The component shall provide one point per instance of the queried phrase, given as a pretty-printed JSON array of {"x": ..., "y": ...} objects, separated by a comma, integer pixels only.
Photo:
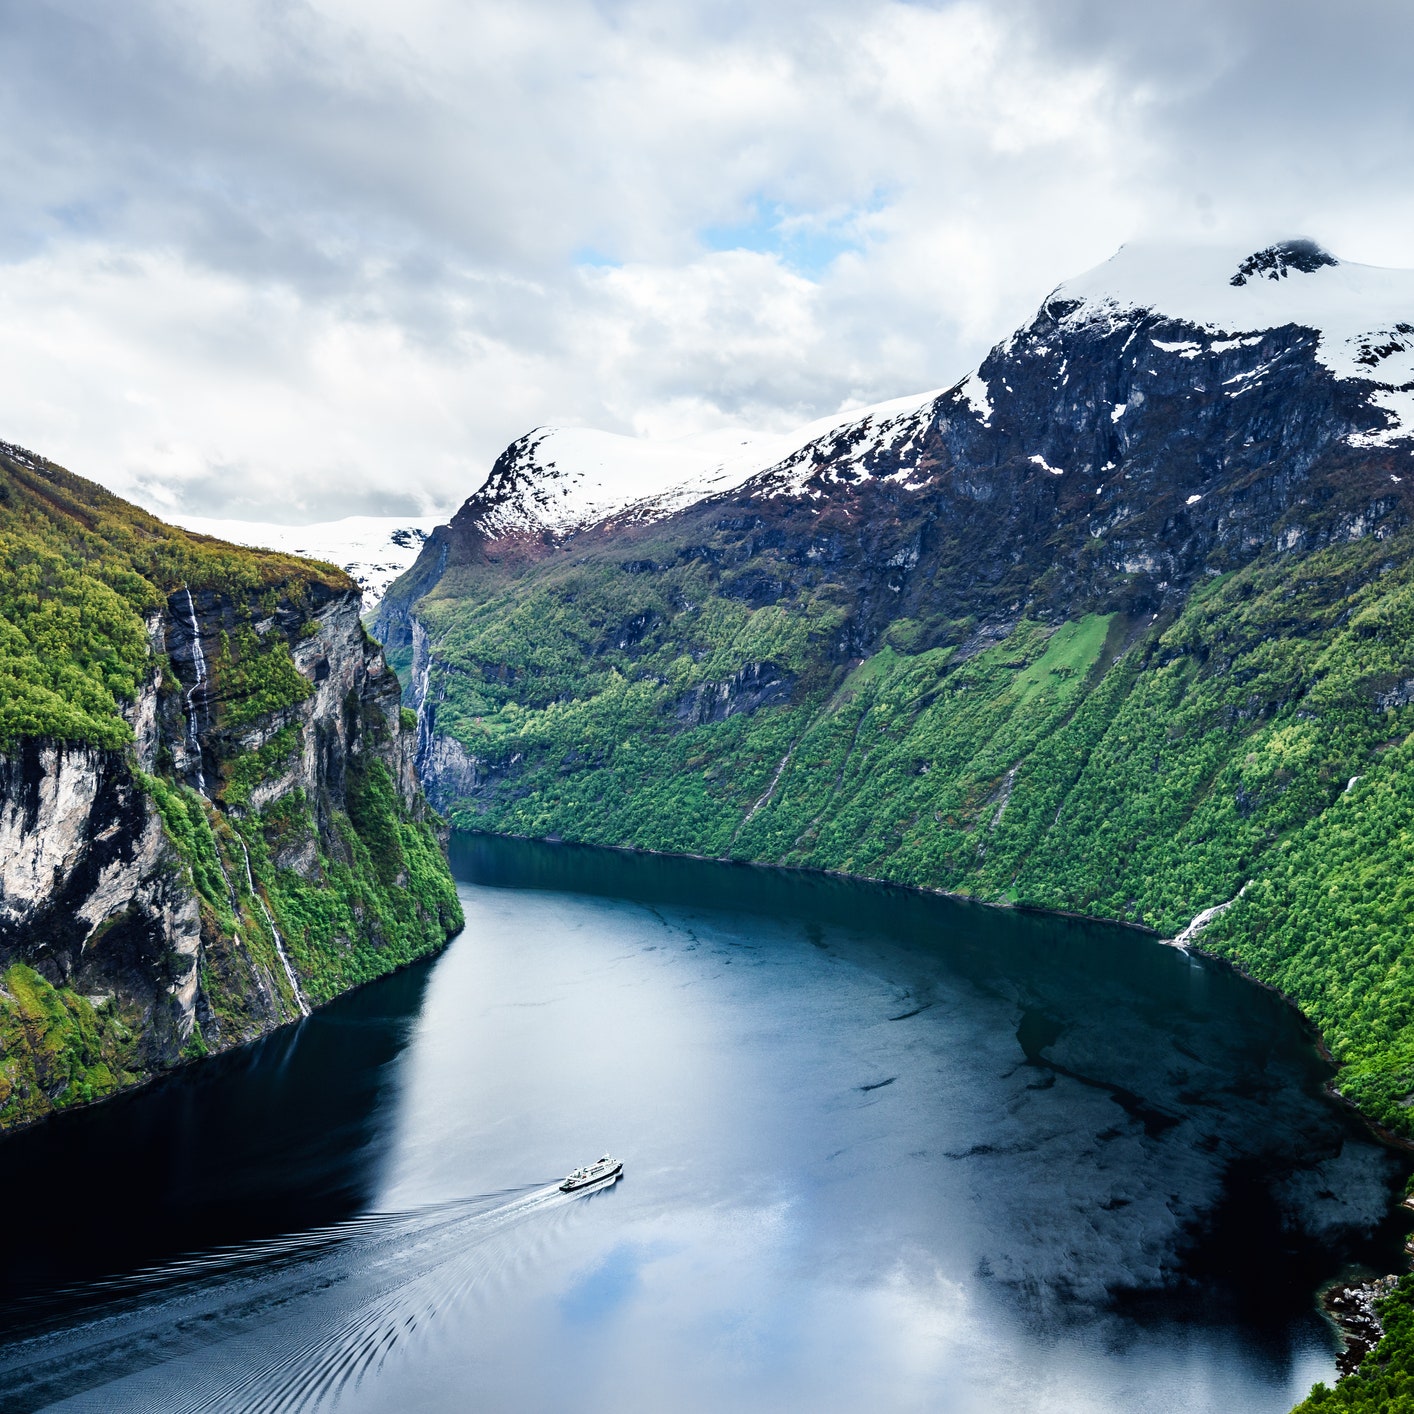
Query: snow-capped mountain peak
[
  {"x": 1363, "y": 314},
  {"x": 556, "y": 480},
  {"x": 1226, "y": 290},
  {"x": 1064, "y": 397},
  {"x": 1162, "y": 417},
  {"x": 1278, "y": 261},
  {"x": 1195, "y": 301}
]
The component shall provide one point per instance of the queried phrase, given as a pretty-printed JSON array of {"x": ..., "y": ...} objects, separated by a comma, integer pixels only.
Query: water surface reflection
[{"x": 885, "y": 1151}]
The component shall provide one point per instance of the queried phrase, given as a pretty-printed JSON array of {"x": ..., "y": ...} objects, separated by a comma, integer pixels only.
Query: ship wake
[{"x": 294, "y": 1323}]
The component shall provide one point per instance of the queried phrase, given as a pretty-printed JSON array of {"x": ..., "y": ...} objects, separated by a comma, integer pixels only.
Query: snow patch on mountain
[
  {"x": 1363, "y": 314},
  {"x": 891, "y": 432},
  {"x": 974, "y": 389},
  {"x": 372, "y": 550},
  {"x": 556, "y": 480}
]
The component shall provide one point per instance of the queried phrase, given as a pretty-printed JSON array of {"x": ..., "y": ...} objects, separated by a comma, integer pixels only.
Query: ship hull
[{"x": 574, "y": 1185}]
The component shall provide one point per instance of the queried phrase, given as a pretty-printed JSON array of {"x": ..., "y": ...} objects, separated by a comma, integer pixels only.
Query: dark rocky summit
[{"x": 1278, "y": 261}]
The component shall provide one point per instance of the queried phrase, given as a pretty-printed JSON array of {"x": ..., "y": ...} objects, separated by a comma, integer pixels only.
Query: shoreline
[
  {"x": 823, "y": 872},
  {"x": 1313, "y": 1031},
  {"x": 1349, "y": 1306},
  {"x": 185, "y": 1064},
  {"x": 1192, "y": 945}
]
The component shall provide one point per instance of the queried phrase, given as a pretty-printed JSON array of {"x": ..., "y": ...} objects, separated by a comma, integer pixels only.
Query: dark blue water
[{"x": 884, "y": 1152}]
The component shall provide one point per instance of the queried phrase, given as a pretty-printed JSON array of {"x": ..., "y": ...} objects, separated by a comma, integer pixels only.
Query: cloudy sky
[{"x": 295, "y": 260}]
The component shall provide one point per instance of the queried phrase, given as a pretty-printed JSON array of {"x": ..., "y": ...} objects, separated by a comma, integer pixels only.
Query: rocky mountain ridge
[
  {"x": 556, "y": 481},
  {"x": 1068, "y": 394}
]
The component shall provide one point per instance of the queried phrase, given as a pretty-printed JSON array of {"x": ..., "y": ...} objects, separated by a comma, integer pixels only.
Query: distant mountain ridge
[
  {"x": 372, "y": 550},
  {"x": 557, "y": 482}
]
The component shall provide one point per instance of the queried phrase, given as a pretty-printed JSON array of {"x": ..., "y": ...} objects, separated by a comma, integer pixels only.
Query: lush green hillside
[
  {"x": 302, "y": 837},
  {"x": 80, "y": 571},
  {"x": 1127, "y": 769}
]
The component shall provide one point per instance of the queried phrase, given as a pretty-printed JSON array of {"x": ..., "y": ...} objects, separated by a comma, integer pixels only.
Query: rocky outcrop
[
  {"x": 752, "y": 687},
  {"x": 449, "y": 771},
  {"x": 154, "y": 901},
  {"x": 1354, "y": 1309},
  {"x": 347, "y": 681},
  {"x": 93, "y": 895}
]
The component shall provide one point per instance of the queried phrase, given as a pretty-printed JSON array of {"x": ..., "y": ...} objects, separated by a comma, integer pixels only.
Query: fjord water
[{"x": 884, "y": 1151}]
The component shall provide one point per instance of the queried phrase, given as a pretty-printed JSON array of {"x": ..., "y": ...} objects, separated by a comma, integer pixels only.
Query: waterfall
[
  {"x": 199, "y": 661},
  {"x": 274, "y": 931},
  {"x": 198, "y": 658}
]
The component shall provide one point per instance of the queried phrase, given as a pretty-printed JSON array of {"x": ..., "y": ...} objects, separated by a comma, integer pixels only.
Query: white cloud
[{"x": 287, "y": 260}]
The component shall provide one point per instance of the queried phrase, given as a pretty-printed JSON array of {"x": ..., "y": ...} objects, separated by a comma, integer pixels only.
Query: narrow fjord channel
[{"x": 884, "y": 1151}]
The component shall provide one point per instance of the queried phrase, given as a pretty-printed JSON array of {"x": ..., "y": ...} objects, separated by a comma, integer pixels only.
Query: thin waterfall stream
[
  {"x": 274, "y": 932},
  {"x": 194, "y": 739},
  {"x": 199, "y": 662}
]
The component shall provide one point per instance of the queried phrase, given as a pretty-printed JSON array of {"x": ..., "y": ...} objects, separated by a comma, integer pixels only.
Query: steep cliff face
[
  {"x": 96, "y": 903},
  {"x": 1119, "y": 624},
  {"x": 239, "y": 837}
]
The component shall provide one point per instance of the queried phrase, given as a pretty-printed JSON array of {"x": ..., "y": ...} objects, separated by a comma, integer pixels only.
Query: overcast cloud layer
[{"x": 291, "y": 261}]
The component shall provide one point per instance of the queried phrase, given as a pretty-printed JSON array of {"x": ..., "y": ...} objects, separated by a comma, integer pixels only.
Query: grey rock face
[
  {"x": 92, "y": 893},
  {"x": 449, "y": 771},
  {"x": 755, "y": 686},
  {"x": 95, "y": 896}
]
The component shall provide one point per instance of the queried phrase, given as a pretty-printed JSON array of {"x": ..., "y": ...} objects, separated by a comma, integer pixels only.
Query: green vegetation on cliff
[
  {"x": 80, "y": 572},
  {"x": 387, "y": 901},
  {"x": 1134, "y": 770},
  {"x": 56, "y": 1048}
]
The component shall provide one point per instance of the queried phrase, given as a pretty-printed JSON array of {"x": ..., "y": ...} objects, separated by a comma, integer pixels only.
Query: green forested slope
[
  {"x": 87, "y": 1010},
  {"x": 80, "y": 570},
  {"x": 1140, "y": 771}
]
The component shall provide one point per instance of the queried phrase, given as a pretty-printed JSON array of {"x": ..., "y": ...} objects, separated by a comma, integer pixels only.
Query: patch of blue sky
[
  {"x": 80, "y": 218},
  {"x": 595, "y": 258},
  {"x": 606, "y": 1286},
  {"x": 23, "y": 239},
  {"x": 805, "y": 242}
]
